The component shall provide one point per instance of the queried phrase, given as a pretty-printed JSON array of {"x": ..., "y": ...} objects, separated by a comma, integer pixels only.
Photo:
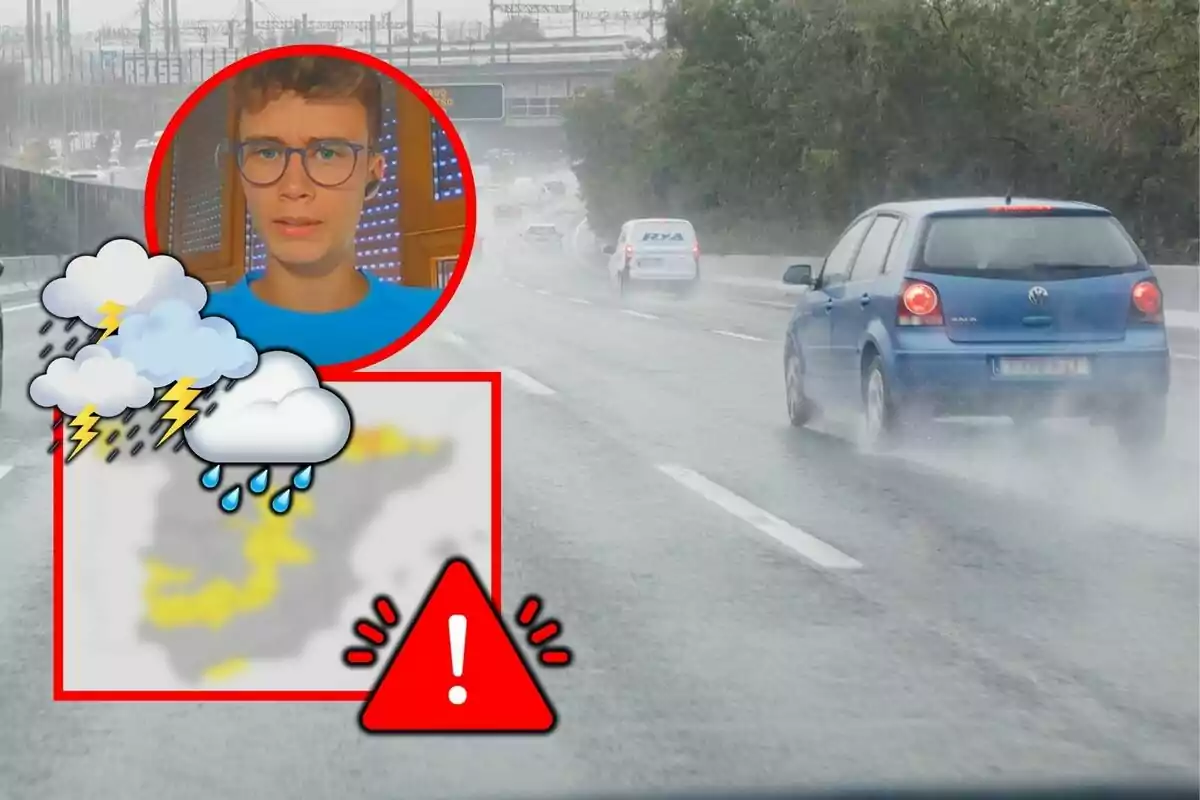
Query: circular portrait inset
[{"x": 323, "y": 198}]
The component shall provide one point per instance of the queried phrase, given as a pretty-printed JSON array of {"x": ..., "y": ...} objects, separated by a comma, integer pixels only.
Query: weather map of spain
[{"x": 225, "y": 512}]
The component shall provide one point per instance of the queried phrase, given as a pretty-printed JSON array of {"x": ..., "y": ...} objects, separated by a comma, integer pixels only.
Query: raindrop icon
[
  {"x": 303, "y": 478},
  {"x": 211, "y": 477},
  {"x": 260, "y": 481},
  {"x": 231, "y": 500},
  {"x": 281, "y": 502}
]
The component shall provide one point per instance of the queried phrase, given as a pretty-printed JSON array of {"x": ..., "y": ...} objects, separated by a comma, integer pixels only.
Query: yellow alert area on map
[
  {"x": 386, "y": 442},
  {"x": 225, "y": 670},
  {"x": 269, "y": 547}
]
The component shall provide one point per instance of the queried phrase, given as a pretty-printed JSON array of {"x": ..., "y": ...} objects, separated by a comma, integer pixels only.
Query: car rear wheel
[
  {"x": 881, "y": 428},
  {"x": 799, "y": 407},
  {"x": 1143, "y": 426},
  {"x": 623, "y": 282}
]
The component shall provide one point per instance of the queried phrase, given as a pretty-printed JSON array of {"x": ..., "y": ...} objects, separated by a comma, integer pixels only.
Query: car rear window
[
  {"x": 1022, "y": 246},
  {"x": 668, "y": 231}
]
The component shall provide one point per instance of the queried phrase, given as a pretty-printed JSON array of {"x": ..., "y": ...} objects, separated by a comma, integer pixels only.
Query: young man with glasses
[{"x": 308, "y": 157}]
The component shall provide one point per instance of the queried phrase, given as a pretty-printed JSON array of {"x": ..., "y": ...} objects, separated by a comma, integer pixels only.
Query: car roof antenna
[{"x": 1008, "y": 195}]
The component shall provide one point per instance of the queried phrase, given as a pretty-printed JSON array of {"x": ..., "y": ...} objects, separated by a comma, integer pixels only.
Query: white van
[{"x": 655, "y": 252}]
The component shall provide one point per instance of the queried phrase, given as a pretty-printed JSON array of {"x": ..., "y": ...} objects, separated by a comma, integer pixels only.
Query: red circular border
[{"x": 436, "y": 111}]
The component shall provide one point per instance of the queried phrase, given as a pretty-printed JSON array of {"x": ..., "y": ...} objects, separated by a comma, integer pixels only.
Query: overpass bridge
[{"x": 138, "y": 90}]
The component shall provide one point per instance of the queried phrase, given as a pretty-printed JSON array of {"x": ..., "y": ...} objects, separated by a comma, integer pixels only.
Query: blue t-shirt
[{"x": 385, "y": 315}]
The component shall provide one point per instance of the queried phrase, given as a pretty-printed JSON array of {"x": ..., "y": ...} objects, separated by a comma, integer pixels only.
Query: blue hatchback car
[{"x": 981, "y": 307}]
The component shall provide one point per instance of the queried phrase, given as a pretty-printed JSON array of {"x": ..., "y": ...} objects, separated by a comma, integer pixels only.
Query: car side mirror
[
  {"x": 608, "y": 250},
  {"x": 799, "y": 275},
  {"x": 1, "y": 269}
]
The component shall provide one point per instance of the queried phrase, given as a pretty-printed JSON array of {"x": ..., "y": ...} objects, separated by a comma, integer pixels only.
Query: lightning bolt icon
[
  {"x": 180, "y": 395},
  {"x": 112, "y": 318},
  {"x": 83, "y": 434}
]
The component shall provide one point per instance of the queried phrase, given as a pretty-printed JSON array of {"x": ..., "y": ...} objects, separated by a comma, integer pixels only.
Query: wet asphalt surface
[{"x": 1022, "y": 608}]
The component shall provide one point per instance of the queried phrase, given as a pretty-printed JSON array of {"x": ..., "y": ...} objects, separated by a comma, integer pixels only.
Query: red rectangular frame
[{"x": 194, "y": 695}]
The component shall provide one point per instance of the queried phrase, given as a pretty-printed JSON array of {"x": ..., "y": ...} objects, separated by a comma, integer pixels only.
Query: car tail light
[
  {"x": 919, "y": 304},
  {"x": 1147, "y": 301},
  {"x": 628, "y": 254},
  {"x": 696, "y": 250}
]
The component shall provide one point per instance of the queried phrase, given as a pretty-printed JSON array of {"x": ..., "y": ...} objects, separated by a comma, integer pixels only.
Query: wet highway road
[{"x": 749, "y": 605}]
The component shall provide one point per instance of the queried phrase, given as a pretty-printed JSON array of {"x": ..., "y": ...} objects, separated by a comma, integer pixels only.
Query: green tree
[
  {"x": 770, "y": 124},
  {"x": 519, "y": 29}
]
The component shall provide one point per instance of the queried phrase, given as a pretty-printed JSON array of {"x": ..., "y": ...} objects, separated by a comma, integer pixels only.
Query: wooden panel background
[
  {"x": 432, "y": 229},
  {"x": 202, "y": 213},
  {"x": 202, "y": 201}
]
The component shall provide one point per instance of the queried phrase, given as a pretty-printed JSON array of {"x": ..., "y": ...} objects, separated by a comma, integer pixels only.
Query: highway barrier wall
[
  {"x": 759, "y": 276},
  {"x": 28, "y": 273},
  {"x": 47, "y": 214},
  {"x": 762, "y": 276}
]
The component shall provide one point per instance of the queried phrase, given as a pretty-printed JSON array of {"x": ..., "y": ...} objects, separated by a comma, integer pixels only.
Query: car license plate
[
  {"x": 650, "y": 262},
  {"x": 1044, "y": 367}
]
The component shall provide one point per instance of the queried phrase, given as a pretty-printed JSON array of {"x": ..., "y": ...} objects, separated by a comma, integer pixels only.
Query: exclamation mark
[{"x": 458, "y": 648}]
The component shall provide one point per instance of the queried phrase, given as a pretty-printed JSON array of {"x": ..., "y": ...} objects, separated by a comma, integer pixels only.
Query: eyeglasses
[{"x": 328, "y": 162}]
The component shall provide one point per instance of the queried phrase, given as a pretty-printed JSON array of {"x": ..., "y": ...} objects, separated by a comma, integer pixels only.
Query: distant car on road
[
  {"x": 525, "y": 190},
  {"x": 89, "y": 176},
  {"x": 660, "y": 253},
  {"x": 507, "y": 212},
  {"x": 981, "y": 307},
  {"x": 543, "y": 236}
]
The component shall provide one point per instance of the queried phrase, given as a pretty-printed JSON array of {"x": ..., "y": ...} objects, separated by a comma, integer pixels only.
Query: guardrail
[
  {"x": 194, "y": 66},
  {"x": 757, "y": 276},
  {"x": 28, "y": 273}
]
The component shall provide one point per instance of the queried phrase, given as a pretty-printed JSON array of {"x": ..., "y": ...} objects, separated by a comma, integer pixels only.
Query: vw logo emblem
[{"x": 1038, "y": 295}]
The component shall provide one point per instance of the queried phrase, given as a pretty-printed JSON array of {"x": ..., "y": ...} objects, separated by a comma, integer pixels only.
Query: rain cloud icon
[{"x": 280, "y": 415}]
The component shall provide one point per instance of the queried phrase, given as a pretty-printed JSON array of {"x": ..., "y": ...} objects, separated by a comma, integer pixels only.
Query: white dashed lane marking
[
  {"x": 453, "y": 338},
  {"x": 773, "y": 304},
  {"x": 523, "y": 381},
  {"x": 735, "y": 335},
  {"x": 526, "y": 382},
  {"x": 806, "y": 545},
  {"x": 638, "y": 314}
]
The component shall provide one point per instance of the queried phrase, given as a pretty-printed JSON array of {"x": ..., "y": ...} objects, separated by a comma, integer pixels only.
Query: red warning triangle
[{"x": 495, "y": 692}]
